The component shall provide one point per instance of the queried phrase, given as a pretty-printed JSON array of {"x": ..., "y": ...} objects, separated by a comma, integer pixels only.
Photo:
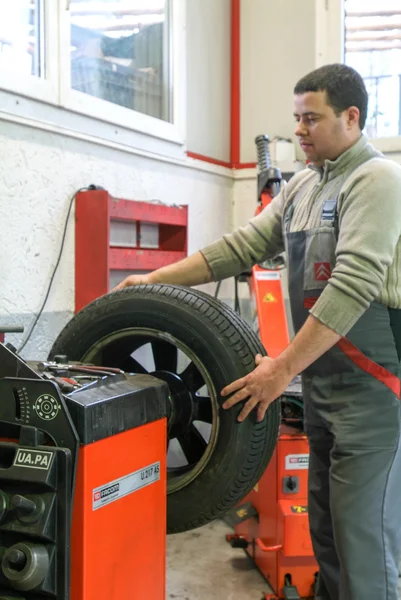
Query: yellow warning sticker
[
  {"x": 299, "y": 509},
  {"x": 269, "y": 298}
]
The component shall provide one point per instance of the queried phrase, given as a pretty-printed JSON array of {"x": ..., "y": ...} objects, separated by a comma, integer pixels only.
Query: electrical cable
[
  {"x": 218, "y": 286},
  {"x": 292, "y": 400},
  {"x": 36, "y": 319},
  {"x": 237, "y": 307}
]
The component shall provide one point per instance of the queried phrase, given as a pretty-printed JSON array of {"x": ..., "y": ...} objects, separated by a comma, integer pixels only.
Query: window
[
  {"x": 373, "y": 48},
  {"x": 119, "y": 52},
  {"x": 120, "y": 62},
  {"x": 22, "y": 38}
]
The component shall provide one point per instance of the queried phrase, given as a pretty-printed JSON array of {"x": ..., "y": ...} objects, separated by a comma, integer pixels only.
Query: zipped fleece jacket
[{"x": 368, "y": 253}]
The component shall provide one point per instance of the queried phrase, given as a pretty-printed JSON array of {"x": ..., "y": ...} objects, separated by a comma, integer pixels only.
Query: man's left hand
[{"x": 264, "y": 385}]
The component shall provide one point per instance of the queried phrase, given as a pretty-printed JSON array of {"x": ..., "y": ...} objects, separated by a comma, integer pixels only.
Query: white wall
[
  {"x": 39, "y": 172},
  {"x": 208, "y": 77},
  {"x": 277, "y": 48}
]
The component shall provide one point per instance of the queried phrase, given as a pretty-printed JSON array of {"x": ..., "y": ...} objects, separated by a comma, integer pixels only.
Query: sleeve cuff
[
  {"x": 337, "y": 310},
  {"x": 221, "y": 262}
]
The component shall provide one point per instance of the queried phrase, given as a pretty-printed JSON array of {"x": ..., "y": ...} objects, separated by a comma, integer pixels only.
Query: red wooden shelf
[{"x": 97, "y": 256}]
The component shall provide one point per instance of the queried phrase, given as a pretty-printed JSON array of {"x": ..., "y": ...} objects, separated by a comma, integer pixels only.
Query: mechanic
[{"x": 339, "y": 222}]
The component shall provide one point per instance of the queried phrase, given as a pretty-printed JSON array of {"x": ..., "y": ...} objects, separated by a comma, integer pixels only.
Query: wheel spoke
[
  {"x": 203, "y": 409},
  {"x": 130, "y": 365},
  {"x": 165, "y": 356},
  {"x": 192, "y": 377},
  {"x": 193, "y": 445}
]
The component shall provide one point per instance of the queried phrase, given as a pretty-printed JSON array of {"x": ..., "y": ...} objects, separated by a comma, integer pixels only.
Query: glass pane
[
  {"x": 373, "y": 47},
  {"x": 21, "y": 37},
  {"x": 120, "y": 53}
]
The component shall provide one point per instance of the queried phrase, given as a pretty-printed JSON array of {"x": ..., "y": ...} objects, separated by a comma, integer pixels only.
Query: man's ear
[{"x": 352, "y": 116}]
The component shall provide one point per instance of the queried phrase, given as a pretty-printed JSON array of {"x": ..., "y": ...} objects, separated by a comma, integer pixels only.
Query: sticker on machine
[
  {"x": 267, "y": 275},
  {"x": 295, "y": 462},
  {"x": 34, "y": 459},
  {"x": 109, "y": 492}
]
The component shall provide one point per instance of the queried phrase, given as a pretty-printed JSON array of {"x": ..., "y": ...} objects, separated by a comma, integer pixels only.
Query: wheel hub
[{"x": 182, "y": 404}]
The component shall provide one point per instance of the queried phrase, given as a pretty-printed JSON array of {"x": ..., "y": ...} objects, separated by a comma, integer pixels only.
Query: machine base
[{"x": 271, "y": 524}]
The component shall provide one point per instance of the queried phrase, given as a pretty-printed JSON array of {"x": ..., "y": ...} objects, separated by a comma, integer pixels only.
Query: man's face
[{"x": 322, "y": 134}]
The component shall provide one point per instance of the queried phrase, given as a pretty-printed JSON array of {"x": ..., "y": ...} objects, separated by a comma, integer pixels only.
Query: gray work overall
[{"x": 352, "y": 420}]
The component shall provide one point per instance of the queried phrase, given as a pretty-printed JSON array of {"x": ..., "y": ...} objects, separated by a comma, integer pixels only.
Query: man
[{"x": 340, "y": 224}]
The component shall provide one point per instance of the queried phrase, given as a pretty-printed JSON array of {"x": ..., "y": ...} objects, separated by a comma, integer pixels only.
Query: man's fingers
[
  {"x": 262, "y": 408},
  {"x": 249, "y": 406},
  {"x": 237, "y": 397},
  {"x": 234, "y": 386}
]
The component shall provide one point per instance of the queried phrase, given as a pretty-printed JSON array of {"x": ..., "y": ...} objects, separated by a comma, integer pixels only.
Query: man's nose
[{"x": 300, "y": 129}]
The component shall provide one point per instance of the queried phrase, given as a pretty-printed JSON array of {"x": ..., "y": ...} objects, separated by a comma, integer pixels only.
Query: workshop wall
[
  {"x": 277, "y": 48},
  {"x": 208, "y": 78},
  {"x": 39, "y": 172}
]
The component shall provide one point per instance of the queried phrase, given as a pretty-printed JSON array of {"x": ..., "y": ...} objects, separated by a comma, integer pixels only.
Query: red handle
[{"x": 265, "y": 548}]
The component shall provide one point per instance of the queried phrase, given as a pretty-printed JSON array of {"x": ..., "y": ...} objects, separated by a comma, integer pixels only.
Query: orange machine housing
[
  {"x": 118, "y": 549},
  {"x": 278, "y": 537}
]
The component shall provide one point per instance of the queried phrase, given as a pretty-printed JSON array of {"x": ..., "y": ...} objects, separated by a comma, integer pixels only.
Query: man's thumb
[{"x": 258, "y": 359}]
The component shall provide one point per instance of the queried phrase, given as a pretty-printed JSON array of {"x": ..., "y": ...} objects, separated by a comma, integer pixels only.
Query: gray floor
[{"x": 201, "y": 565}]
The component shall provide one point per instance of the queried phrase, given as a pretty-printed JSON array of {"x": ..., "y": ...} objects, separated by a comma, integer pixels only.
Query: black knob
[
  {"x": 3, "y": 507},
  {"x": 16, "y": 559},
  {"x": 61, "y": 359},
  {"x": 23, "y": 505},
  {"x": 32, "y": 574},
  {"x": 291, "y": 483}
]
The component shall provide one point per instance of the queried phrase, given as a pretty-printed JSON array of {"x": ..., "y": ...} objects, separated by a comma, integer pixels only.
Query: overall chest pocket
[{"x": 320, "y": 257}]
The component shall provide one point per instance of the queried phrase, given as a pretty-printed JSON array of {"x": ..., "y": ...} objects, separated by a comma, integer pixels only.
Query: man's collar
[{"x": 343, "y": 162}]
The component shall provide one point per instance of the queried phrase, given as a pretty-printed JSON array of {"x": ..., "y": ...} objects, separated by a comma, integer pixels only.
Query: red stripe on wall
[
  {"x": 235, "y": 158},
  {"x": 220, "y": 163},
  {"x": 369, "y": 366},
  {"x": 244, "y": 166},
  {"x": 208, "y": 159}
]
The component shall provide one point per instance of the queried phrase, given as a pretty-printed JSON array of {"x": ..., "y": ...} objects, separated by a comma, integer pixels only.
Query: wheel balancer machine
[
  {"x": 99, "y": 445},
  {"x": 271, "y": 524}
]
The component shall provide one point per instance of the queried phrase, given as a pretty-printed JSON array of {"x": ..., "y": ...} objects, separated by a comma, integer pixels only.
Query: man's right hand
[
  {"x": 192, "y": 270},
  {"x": 132, "y": 280}
]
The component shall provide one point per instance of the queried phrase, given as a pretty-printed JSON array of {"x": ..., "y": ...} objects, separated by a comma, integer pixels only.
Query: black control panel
[{"x": 38, "y": 453}]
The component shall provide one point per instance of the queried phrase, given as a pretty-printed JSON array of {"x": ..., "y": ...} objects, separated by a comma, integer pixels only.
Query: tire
[{"x": 222, "y": 458}]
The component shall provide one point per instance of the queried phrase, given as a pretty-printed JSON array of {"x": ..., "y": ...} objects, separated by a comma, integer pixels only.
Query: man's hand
[
  {"x": 192, "y": 270},
  {"x": 264, "y": 385},
  {"x": 131, "y": 280}
]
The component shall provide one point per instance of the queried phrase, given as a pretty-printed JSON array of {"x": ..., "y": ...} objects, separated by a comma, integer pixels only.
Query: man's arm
[
  {"x": 272, "y": 376},
  {"x": 193, "y": 270},
  {"x": 229, "y": 256},
  {"x": 369, "y": 231}
]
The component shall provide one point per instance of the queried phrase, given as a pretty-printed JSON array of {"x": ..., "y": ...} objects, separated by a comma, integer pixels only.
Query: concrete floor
[{"x": 201, "y": 565}]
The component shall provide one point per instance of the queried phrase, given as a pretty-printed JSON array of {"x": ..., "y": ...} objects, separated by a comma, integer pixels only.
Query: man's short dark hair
[{"x": 343, "y": 85}]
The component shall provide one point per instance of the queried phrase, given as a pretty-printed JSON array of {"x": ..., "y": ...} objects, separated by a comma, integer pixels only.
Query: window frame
[
  {"x": 39, "y": 88},
  {"x": 102, "y": 110},
  {"x": 55, "y": 87},
  {"x": 329, "y": 48}
]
